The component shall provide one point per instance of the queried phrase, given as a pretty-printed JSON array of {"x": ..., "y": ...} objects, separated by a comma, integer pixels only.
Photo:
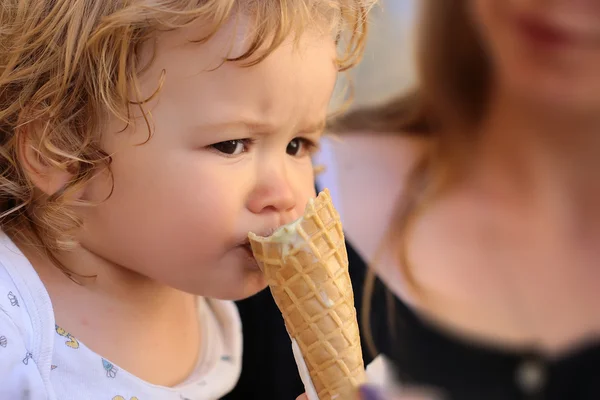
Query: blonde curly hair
[{"x": 65, "y": 65}]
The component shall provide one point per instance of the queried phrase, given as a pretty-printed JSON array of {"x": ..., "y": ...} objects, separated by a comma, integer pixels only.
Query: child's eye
[
  {"x": 231, "y": 147},
  {"x": 300, "y": 147}
]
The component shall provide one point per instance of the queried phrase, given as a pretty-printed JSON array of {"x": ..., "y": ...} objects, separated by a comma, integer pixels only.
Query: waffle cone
[{"x": 307, "y": 272}]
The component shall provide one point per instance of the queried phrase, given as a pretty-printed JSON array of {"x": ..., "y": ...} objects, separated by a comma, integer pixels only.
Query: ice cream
[{"x": 306, "y": 266}]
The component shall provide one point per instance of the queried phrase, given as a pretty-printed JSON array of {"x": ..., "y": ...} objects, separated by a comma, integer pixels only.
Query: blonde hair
[
  {"x": 65, "y": 65},
  {"x": 453, "y": 79}
]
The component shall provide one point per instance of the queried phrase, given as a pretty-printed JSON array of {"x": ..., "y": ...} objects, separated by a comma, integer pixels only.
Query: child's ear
[{"x": 42, "y": 166}]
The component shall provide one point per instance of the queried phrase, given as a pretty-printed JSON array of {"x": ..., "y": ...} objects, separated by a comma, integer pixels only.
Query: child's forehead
[
  {"x": 235, "y": 36},
  {"x": 179, "y": 50},
  {"x": 290, "y": 88}
]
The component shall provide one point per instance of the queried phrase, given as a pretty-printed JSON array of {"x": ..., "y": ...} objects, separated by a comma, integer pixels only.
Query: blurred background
[{"x": 387, "y": 67}]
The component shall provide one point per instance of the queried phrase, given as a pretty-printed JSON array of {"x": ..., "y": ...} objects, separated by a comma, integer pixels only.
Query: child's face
[{"x": 229, "y": 155}]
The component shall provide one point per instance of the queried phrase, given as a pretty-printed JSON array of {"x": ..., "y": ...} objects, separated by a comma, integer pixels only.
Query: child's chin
[{"x": 253, "y": 282}]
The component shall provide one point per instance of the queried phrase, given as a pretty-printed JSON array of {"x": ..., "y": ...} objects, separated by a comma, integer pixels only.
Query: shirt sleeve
[{"x": 19, "y": 374}]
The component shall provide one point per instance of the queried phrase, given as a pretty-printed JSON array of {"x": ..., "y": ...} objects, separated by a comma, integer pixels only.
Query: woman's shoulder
[
  {"x": 361, "y": 148},
  {"x": 368, "y": 172}
]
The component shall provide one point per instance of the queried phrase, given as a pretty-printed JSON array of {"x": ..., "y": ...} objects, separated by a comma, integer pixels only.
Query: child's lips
[
  {"x": 246, "y": 249},
  {"x": 264, "y": 232}
]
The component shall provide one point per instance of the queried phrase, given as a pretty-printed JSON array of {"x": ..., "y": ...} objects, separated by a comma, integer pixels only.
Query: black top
[
  {"x": 460, "y": 369},
  {"x": 422, "y": 354}
]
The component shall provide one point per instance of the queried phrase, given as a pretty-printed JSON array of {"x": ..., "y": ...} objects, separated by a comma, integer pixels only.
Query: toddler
[{"x": 140, "y": 141}]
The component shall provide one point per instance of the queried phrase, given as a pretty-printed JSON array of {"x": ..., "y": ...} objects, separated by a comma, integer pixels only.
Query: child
[{"x": 141, "y": 141}]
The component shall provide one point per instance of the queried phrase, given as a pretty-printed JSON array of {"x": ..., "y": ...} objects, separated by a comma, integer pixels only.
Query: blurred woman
[{"x": 475, "y": 201}]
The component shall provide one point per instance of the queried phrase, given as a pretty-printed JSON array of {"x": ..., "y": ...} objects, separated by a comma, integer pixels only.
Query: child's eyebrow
[
  {"x": 315, "y": 127},
  {"x": 255, "y": 127}
]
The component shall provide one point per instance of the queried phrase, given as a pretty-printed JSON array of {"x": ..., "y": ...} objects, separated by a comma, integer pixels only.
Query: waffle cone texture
[{"x": 307, "y": 272}]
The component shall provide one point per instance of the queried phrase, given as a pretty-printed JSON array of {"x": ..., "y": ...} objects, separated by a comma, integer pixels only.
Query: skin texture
[{"x": 230, "y": 153}]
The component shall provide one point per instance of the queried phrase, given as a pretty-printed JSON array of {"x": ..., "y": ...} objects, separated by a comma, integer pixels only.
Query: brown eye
[
  {"x": 293, "y": 147},
  {"x": 299, "y": 147},
  {"x": 230, "y": 147}
]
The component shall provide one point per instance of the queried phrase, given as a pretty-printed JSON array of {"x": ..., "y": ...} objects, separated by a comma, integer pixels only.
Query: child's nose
[{"x": 273, "y": 194}]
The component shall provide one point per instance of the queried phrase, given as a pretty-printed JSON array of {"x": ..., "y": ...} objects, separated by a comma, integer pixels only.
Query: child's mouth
[{"x": 248, "y": 249}]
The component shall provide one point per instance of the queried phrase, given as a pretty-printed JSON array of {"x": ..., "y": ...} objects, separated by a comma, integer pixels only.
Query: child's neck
[{"x": 128, "y": 319}]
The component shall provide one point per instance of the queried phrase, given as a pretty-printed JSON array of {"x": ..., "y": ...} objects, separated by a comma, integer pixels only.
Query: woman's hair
[
  {"x": 447, "y": 102},
  {"x": 65, "y": 65}
]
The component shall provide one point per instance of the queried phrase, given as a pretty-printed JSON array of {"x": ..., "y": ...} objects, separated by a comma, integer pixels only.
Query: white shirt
[{"x": 39, "y": 360}]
